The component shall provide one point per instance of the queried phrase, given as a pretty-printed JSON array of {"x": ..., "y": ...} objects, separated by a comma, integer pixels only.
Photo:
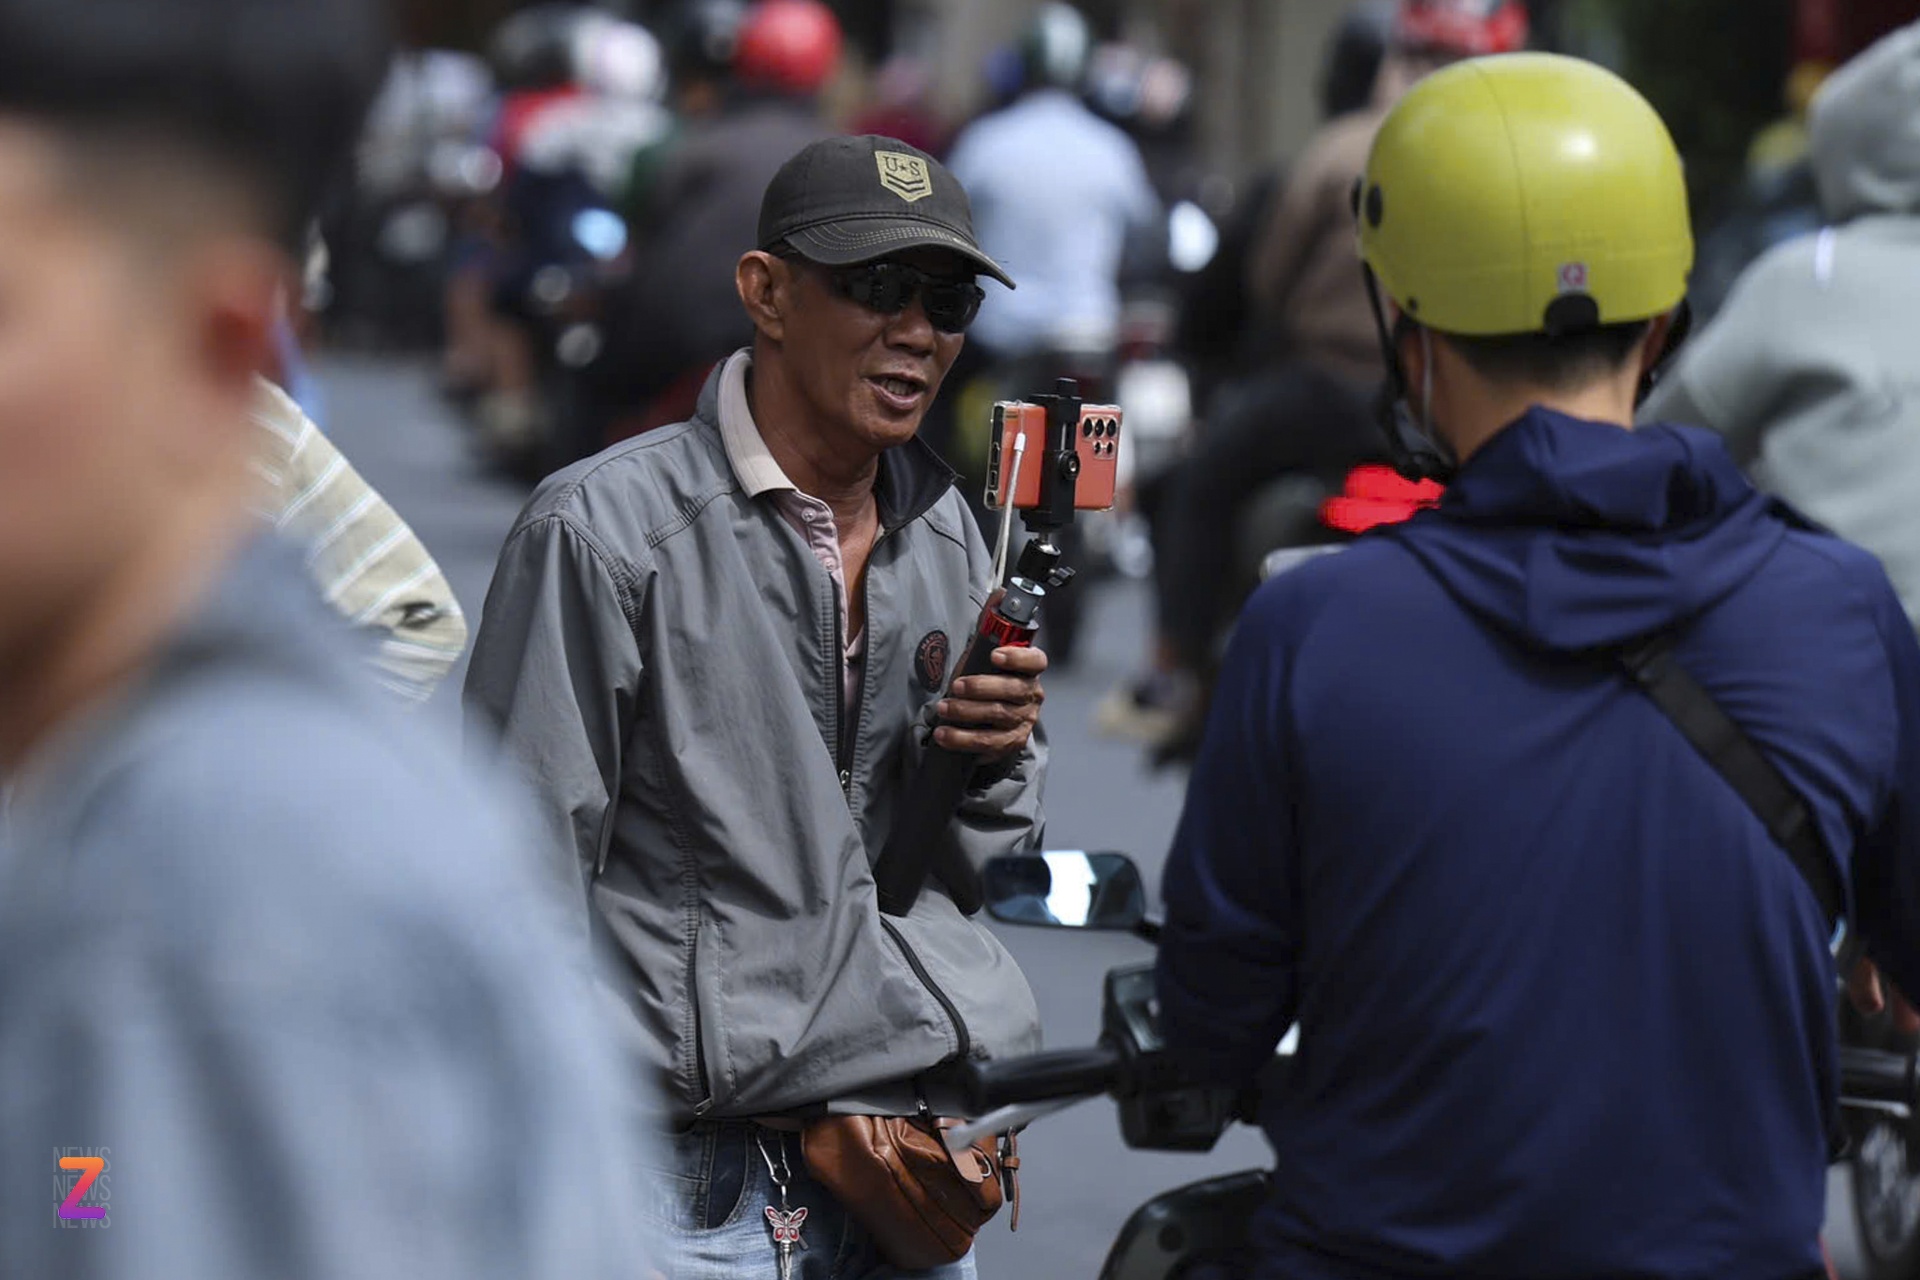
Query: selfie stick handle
[{"x": 920, "y": 842}]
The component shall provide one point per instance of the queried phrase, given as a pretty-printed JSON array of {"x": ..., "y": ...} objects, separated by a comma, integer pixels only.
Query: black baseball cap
[{"x": 848, "y": 200}]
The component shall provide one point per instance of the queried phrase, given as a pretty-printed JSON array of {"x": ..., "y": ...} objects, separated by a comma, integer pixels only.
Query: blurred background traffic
[{"x": 550, "y": 198}]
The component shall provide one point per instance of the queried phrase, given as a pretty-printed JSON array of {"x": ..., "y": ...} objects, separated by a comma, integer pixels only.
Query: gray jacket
[
  {"x": 661, "y": 653},
  {"x": 1810, "y": 371},
  {"x": 274, "y": 955}
]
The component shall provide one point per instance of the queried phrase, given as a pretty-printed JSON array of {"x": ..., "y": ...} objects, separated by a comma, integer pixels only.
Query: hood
[
  {"x": 1864, "y": 130},
  {"x": 1572, "y": 535}
]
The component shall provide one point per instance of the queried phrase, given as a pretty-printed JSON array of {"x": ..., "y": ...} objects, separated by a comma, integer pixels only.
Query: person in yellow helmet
[{"x": 1565, "y": 997}]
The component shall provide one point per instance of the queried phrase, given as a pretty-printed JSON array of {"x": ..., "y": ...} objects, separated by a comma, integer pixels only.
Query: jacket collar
[{"x": 912, "y": 477}]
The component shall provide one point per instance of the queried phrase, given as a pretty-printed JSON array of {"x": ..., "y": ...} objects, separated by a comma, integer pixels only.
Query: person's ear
[
  {"x": 765, "y": 284},
  {"x": 1412, "y": 352},
  {"x": 1659, "y": 342},
  {"x": 236, "y": 292}
]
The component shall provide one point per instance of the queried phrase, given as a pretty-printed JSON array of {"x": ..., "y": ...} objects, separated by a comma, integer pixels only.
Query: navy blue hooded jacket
[{"x": 1566, "y": 1010}]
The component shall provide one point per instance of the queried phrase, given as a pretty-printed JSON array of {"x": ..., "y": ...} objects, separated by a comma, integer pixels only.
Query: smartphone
[{"x": 1097, "y": 442}]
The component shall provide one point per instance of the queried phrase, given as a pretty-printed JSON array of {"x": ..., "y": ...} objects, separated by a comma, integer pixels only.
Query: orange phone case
[{"x": 1097, "y": 442}]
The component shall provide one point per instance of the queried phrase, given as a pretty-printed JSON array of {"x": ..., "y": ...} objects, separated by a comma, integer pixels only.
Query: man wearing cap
[{"x": 716, "y": 649}]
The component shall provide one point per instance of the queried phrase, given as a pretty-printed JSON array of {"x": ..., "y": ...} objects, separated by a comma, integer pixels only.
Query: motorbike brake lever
[{"x": 1005, "y": 1120}]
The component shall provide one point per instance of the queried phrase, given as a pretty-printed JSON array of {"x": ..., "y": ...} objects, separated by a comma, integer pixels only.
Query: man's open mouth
[{"x": 905, "y": 388}]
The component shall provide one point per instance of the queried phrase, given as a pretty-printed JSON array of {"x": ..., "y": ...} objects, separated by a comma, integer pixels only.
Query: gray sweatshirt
[
  {"x": 1812, "y": 371},
  {"x": 276, "y": 959}
]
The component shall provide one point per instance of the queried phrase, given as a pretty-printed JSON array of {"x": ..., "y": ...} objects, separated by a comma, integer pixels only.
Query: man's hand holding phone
[{"x": 993, "y": 716}]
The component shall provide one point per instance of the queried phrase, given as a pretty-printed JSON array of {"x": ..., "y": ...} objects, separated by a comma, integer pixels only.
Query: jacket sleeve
[
  {"x": 368, "y": 564},
  {"x": 556, "y": 675},
  {"x": 1000, "y": 813},
  {"x": 1227, "y": 982},
  {"x": 1886, "y": 862}
]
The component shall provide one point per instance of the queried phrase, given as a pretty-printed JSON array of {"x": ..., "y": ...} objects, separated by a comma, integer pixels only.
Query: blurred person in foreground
[
  {"x": 717, "y": 650},
  {"x": 1808, "y": 370},
  {"x": 1307, "y": 408},
  {"x": 262, "y": 938},
  {"x": 678, "y": 316},
  {"x": 1565, "y": 1003}
]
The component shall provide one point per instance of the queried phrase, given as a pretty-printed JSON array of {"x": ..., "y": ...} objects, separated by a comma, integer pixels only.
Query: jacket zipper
[
  {"x": 844, "y": 754},
  {"x": 962, "y": 1039},
  {"x": 705, "y": 1105},
  {"x": 845, "y": 733},
  {"x": 705, "y": 1086},
  {"x": 841, "y": 730}
]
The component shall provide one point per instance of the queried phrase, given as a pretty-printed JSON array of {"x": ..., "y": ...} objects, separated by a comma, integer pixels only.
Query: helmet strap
[{"x": 1415, "y": 451}]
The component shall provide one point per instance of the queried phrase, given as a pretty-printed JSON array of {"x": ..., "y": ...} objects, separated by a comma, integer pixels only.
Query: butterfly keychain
[{"x": 786, "y": 1221}]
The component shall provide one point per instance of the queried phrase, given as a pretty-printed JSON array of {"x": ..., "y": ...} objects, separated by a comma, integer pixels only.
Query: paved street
[{"x": 1080, "y": 1182}]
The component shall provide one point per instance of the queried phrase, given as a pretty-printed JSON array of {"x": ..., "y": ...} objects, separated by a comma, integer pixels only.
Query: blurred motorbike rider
[
  {"x": 699, "y": 38},
  {"x": 1807, "y": 370},
  {"x": 679, "y": 316},
  {"x": 1565, "y": 1006},
  {"x": 490, "y": 356},
  {"x": 1308, "y": 410},
  {"x": 715, "y": 647},
  {"x": 265, "y": 941},
  {"x": 1065, "y": 234}
]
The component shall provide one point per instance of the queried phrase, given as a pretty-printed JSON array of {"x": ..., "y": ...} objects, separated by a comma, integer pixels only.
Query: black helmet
[
  {"x": 1057, "y": 46},
  {"x": 700, "y": 37},
  {"x": 533, "y": 49}
]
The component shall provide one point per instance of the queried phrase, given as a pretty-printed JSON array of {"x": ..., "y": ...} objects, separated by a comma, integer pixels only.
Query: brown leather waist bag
[{"x": 922, "y": 1204}]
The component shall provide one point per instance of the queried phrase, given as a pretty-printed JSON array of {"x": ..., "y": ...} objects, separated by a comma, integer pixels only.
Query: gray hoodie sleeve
[{"x": 556, "y": 675}]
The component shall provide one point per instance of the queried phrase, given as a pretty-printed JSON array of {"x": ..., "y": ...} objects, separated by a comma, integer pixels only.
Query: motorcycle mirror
[{"x": 1066, "y": 889}]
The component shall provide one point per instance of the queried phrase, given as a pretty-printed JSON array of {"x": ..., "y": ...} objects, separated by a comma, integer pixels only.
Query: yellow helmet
[{"x": 1522, "y": 193}]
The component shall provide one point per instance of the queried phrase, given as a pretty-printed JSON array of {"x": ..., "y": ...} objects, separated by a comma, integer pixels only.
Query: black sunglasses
[{"x": 890, "y": 288}]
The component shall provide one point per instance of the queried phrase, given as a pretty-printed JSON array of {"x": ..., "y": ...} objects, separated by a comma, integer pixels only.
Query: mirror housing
[{"x": 1067, "y": 889}]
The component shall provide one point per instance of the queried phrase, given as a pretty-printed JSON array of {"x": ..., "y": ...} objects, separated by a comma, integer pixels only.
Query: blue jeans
[{"x": 708, "y": 1209}]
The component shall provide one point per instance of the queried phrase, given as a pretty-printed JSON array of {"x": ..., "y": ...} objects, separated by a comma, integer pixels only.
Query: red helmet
[
  {"x": 1466, "y": 28},
  {"x": 790, "y": 46}
]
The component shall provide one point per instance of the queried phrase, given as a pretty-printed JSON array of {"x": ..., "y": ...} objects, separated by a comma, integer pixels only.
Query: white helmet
[{"x": 619, "y": 59}]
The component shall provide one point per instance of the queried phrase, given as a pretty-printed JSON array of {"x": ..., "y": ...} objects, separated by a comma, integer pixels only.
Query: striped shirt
[{"x": 368, "y": 564}]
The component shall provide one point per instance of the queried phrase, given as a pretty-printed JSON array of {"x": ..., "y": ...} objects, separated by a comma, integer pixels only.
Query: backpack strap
[{"x": 1735, "y": 756}]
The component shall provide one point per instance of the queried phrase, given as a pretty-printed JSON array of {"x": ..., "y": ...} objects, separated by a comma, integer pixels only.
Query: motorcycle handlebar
[
  {"x": 1866, "y": 1076},
  {"x": 1039, "y": 1077},
  {"x": 1874, "y": 1075}
]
